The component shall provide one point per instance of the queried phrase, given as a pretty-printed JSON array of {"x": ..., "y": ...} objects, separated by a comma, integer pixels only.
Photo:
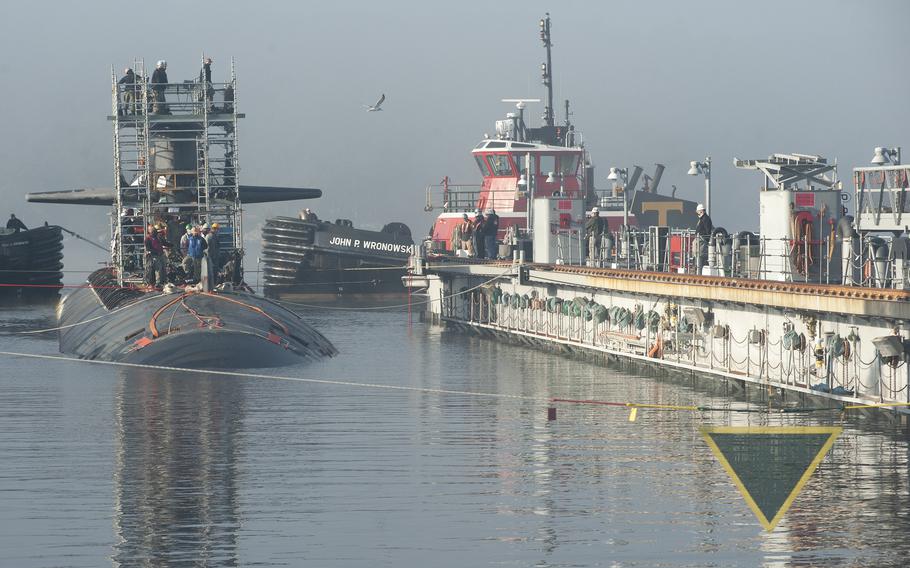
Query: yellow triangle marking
[{"x": 832, "y": 431}]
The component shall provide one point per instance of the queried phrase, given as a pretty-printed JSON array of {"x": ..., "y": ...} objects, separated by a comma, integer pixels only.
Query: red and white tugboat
[{"x": 521, "y": 163}]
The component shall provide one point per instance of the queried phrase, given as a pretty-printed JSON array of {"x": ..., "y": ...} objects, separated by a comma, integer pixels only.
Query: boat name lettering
[{"x": 371, "y": 245}]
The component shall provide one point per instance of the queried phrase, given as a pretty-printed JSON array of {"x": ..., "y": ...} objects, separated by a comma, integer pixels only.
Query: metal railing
[
  {"x": 454, "y": 197},
  {"x": 831, "y": 364}
]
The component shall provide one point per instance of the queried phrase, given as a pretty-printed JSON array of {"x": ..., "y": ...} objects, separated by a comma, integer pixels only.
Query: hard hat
[
  {"x": 127, "y": 70},
  {"x": 215, "y": 225},
  {"x": 701, "y": 207},
  {"x": 595, "y": 210},
  {"x": 189, "y": 227},
  {"x": 161, "y": 63},
  {"x": 205, "y": 226}
]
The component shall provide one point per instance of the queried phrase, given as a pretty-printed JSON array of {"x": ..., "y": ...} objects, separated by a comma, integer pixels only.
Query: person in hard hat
[
  {"x": 127, "y": 85},
  {"x": 187, "y": 262},
  {"x": 466, "y": 231},
  {"x": 159, "y": 85},
  {"x": 205, "y": 81},
  {"x": 228, "y": 98},
  {"x": 490, "y": 232},
  {"x": 155, "y": 261},
  {"x": 15, "y": 223},
  {"x": 478, "y": 223},
  {"x": 594, "y": 230},
  {"x": 214, "y": 250},
  {"x": 703, "y": 230},
  {"x": 196, "y": 252}
]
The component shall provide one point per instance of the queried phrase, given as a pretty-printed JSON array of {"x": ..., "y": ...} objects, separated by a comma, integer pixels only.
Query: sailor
[
  {"x": 594, "y": 229},
  {"x": 159, "y": 85},
  {"x": 229, "y": 98},
  {"x": 155, "y": 263},
  {"x": 478, "y": 234},
  {"x": 490, "y": 230},
  {"x": 703, "y": 229},
  {"x": 187, "y": 262},
  {"x": 15, "y": 223},
  {"x": 205, "y": 79},
  {"x": 467, "y": 234},
  {"x": 214, "y": 250},
  {"x": 129, "y": 93},
  {"x": 196, "y": 246}
]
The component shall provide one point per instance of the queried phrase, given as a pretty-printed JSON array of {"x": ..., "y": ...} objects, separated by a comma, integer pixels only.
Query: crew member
[
  {"x": 196, "y": 246},
  {"x": 478, "y": 234},
  {"x": 15, "y": 223},
  {"x": 155, "y": 263},
  {"x": 159, "y": 85},
  {"x": 490, "y": 230},
  {"x": 229, "y": 98},
  {"x": 214, "y": 251},
  {"x": 467, "y": 234},
  {"x": 187, "y": 262},
  {"x": 129, "y": 93},
  {"x": 703, "y": 229},
  {"x": 205, "y": 79},
  {"x": 594, "y": 229}
]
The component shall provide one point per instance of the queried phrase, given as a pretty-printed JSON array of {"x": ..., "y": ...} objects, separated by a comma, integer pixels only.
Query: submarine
[{"x": 175, "y": 167}]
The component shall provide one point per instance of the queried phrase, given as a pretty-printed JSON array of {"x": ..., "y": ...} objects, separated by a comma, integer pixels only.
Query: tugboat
[
  {"x": 306, "y": 258},
  {"x": 177, "y": 142},
  {"x": 521, "y": 163},
  {"x": 31, "y": 261}
]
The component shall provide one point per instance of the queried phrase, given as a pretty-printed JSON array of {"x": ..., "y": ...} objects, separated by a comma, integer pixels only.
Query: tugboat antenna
[
  {"x": 547, "y": 69},
  {"x": 520, "y": 105}
]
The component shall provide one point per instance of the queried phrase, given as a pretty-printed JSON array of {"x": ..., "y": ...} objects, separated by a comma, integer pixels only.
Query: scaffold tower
[{"x": 175, "y": 164}]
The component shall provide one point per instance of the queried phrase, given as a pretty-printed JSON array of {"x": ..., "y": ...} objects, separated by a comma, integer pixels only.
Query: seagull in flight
[{"x": 376, "y": 106}]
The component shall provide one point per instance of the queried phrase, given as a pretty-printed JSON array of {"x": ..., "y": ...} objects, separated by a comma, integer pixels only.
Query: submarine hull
[{"x": 200, "y": 330}]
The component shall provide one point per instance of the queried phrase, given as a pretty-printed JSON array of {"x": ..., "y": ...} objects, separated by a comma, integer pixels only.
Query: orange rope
[
  {"x": 152, "y": 327},
  {"x": 254, "y": 308}
]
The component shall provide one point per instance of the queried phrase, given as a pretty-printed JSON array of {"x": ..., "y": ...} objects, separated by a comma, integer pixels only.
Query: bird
[{"x": 376, "y": 106}]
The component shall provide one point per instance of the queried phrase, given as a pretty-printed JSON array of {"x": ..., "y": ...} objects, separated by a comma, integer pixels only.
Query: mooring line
[
  {"x": 83, "y": 322},
  {"x": 420, "y": 303},
  {"x": 274, "y": 377},
  {"x": 634, "y": 406}
]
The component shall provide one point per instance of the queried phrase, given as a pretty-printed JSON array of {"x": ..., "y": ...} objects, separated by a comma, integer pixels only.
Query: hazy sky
[{"x": 649, "y": 82}]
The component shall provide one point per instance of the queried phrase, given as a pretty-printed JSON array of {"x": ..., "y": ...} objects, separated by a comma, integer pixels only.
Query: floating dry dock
[{"x": 826, "y": 340}]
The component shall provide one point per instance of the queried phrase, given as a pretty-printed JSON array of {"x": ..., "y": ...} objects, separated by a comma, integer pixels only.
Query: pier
[{"x": 839, "y": 343}]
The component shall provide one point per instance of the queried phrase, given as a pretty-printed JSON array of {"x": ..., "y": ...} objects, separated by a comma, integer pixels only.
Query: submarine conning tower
[{"x": 175, "y": 161}]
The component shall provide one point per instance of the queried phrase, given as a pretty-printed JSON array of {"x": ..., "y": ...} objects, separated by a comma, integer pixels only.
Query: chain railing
[{"x": 713, "y": 347}]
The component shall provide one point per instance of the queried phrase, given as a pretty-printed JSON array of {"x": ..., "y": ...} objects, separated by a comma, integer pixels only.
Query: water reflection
[{"x": 175, "y": 476}]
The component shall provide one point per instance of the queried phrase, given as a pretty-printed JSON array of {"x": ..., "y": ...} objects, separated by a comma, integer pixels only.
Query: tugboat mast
[{"x": 547, "y": 70}]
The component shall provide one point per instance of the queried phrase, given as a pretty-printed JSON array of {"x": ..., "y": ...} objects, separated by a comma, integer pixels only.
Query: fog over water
[{"x": 649, "y": 82}]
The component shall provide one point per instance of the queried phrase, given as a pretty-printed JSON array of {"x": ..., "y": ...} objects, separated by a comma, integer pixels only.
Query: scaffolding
[{"x": 175, "y": 163}]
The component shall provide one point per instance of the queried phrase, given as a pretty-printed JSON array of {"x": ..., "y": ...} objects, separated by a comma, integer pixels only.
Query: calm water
[{"x": 105, "y": 466}]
